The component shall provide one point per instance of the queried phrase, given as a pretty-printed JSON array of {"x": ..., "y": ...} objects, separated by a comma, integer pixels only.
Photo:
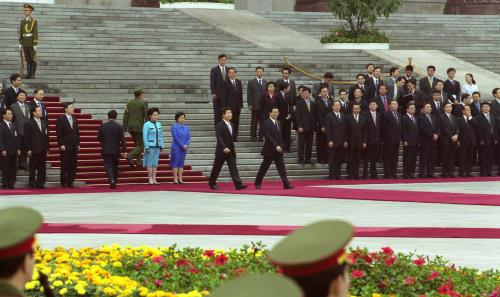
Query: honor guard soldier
[
  {"x": 28, "y": 40},
  {"x": 314, "y": 256},
  {"x": 18, "y": 226},
  {"x": 265, "y": 285}
]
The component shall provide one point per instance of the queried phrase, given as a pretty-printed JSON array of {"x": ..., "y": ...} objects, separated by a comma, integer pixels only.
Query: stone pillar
[
  {"x": 265, "y": 5},
  {"x": 489, "y": 7}
]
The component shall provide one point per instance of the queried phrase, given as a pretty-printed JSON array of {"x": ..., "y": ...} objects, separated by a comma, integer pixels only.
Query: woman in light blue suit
[
  {"x": 181, "y": 138},
  {"x": 152, "y": 133}
]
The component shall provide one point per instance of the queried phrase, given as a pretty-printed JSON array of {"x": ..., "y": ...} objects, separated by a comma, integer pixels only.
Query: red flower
[
  {"x": 419, "y": 261},
  {"x": 410, "y": 281},
  {"x": 495, "y": 293},
  {"x": 433, "y": 275},
  {"x": 158, "y": 259},
  {"x": 389, "y": 261},
  {"x": 447, "y": 289},
  {"x": 194, "y": 271},
  {"x": 182, "y": 262},
  {"x": 221, "y": 260},
  {"x": 357, "y": 274},
  {"x": 351, "y": 259},
  {"x": 209, "y": 253},
  {"x": 388, "y": 251},
  {"x": 158, "y": 282},
  {"x": 138, "y": 264}
]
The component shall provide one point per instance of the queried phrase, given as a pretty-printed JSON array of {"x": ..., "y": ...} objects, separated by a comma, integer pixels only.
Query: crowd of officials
[{"x": 443, "y": 123}]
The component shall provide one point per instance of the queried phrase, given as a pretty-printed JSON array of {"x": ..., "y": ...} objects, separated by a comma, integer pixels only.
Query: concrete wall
[{"x": 265, "y": 5}]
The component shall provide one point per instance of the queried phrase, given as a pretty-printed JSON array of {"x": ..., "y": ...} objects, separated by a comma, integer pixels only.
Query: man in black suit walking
[
  {"x": 373, "y": 140},
  {"x": 391, "y": 137},
  {"x": 487, "y": 137},
  {"x": 112, "y": 140},
  {"x": 11, "y": 93},
  {"x": 218, "y": 75},
  {"x": 272, "y": 150},
  {"x": 336, "y": 135},
  {"x": 256, "y": 88},
  {"x": 225, "y": 151},
  {"x": 9, "y": 149},
  {"x": 323, "y": 108},
  {"x": 36, "y": 134},
  {"x": 448, "y": 140},
  {"x": 306, "y": 125},
  {"x": 68, "y": 138},
  {"x": 428, "y": 126},
  {"x": 232, "y": 97},
  {"x": 495, "y": 111},
  {"x": 467, "y": 141},
  {"x": 410, "y": 137},
  {"x": 356, "y": 140}
]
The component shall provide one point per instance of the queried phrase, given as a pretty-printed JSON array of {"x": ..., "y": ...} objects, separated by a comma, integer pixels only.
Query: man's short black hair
[
  {"x": 224, "y": 110},
  {"x": 476, "y": 92},
  {"x": 431, "y": 67},
  {"x": 34, "y": 108},
  {"x": 286, "y": 68},
  {"x": 284, "y": 86},
  {"x": 67, "y": 104},
  {"x": 9, "y": 266},
  {"x": 436, "y": 91},
  {"x": 323, "y": 86},
  {"x": 495, "y": 90},
  {"x": 485, "y": 103},
  {"x": 221, "y": 56},
  {"x": 360, "y": 74},
  {"x": 21, "y": 92},
  {"x": 5, "y": 112},
  {"x": 259, "y": 67},
  {"x": 231, "y": 68},
  {"x": 306, "y": 89},
  {"x": 112, "y": 114},
  {"x": 14, "y": 77},
  {"x": 273, "y": 107},
  {"x": 400, "y": 79},
  {"x": 451, "y": 69},
  {"x": 381, "y": 85},
  {"x": 369, "y": 64},
  {"x": 342, "y": 91},
  {"x": 392, "y": 70},
  {"x": 409, "y": 68},
  {"x": 328, "y": 75}
]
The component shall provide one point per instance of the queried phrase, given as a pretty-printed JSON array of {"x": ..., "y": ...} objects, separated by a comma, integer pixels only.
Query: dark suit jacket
[
  {"x": 366, "y": 92},
  {"x": 305, "y": 118},
  {"x": 293, "y": 87},
  {"x": 363, "y": 105},
  {"x": 410, "y": 130},
  {"x": 266, "y": 102},
  {"x": 3, "y": 106},
  {"x": 36, "y": 140},
  {"x": 373, "y": 134},
  {"x": 427, "y": 129},
  {"x": 32, "y": 105},
  {"x": 255, "y": 93},
  {"x": 486, "y": 131},
  {"x": 316, "y": 86},
  {"x": 448, "y": 128},
  {"x": 380, "y": 104},
  {"x": 495, "y": 109},
  {"x": 336, "y": 129},
  {"x": 232, "y": 95},
  {"x": 356, "y": 132},
  {"x": 216, "y": 80},
  {"x": 344, "y": 107},
  {"x": 110, "y": 135},
  {"x": 468, "y": 134},
  {"x": 373, "y": 89},
  {"x": 425, "y": 87},
  {"x": 224, "y": 139},
  {"x": 272, "y": 138},
  {"x": 67, "y": 136},
  {"x": 417, "y": 97},
  {"x": 322, "y": 110},
  {"x": 19, "y": 118},
  {"x": 474, "y": 110},
  {"x": 453, "y": 89},
  {"x": 11, "y": 95},
  {"x": 435, "y": 111},
  {"x": 285, "y": 105},
  {"x": 10, "y": 140},
  {"x": 391, "y": 129}
]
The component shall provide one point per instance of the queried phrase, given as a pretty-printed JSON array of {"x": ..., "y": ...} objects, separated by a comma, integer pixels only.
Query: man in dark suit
[
  {"x": 11, "y": 92},
  {"x": 495, "y": 111},
  {"x": 414, "y": 96},
  {"x": 444, "y": 97},
  {"x": 487, "y": 138},
  {"x": 285, "y": 78},
  {"x": 383, "y": 101},
  {"x": 428, "y": 125},
  {"x": 374, "y": 82},
  {"x": 272, "y": 151},
  {"x": 9, "y": 149},
  {"x": 306, "y": 125},
  {"x": 344, "y": 102},
  {"x": 467, "y": 141},
  {"x": 448, "y": 140},
  {"x": 358, "y": 99},
  {"x": 285, "y": 106},
  {"x": 336, "y": 135},
  {"x": 39, "y": 94},
  {"x": 68, "y": 138},
  {"x": 328, "y": 81},
  {"x": 437, "y": 104},
  {"x": 391, "y": 84},
  {"x": 475, "y": 107},
  {"x": 369, "y": 71},
  {"x": 361, "y": 83},
  {"x": 356, "y": 140},
  {"x": 218, "y": 75},
  {"x": 36, "y": 134},
  {"x": 410, "y": 137},
  {"x": 373, "y": 140},
  {"x": 232, "y": 97},
  {"x": 112, "y": 140},
  {"x": 225, "y": 152},
  {"x": 451, "y": 86},
  {"x": 391, "y": 137},
  {"x": 428, "y": 83},
  {"x": 323, "y": 108},
  {"x": 256, "y": 88},
  {"x": 408, "y": 76},
  {"x": 21, "y": 112}
]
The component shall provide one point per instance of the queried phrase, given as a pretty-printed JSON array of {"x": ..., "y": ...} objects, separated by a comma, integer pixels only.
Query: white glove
[
  {"x": 20, "y": 46},
  {"x": 35, "y": 47}
]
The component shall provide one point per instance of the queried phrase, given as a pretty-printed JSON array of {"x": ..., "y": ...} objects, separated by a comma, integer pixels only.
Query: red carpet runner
[{"x": 90, "y": 167}]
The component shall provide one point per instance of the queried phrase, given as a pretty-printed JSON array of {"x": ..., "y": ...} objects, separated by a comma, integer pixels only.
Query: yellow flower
[
  {"x": 57, "y": 283},
  {"x": 375, "y": 295},
  {"x": 63, "y": 291},
  {"x": 109, "y": 291},
  {"x": 30, "y": 285},
  {"x": 117, "y": 264}
]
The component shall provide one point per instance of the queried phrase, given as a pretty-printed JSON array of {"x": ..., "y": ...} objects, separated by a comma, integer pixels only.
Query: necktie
[
  {"x": 230, "y": 128},
  {"x": 39, "y": 125},
  {"x": 22, "y": 109},
  {"x": 277, "y": 125},
  {"x": 234, "y": 83},
  {"x": 260, "y": 82},
  {"x": 70, "y": 119},
  {"x": 308, "y": 105},
  {"x": 10, "y": 127},
  {"x": 356, "y": 117},
  {"x": 338, "y": 115},
  {"x": 395, "y": 116},
  {"x": 223, "y": 70},
  {"x": 449, "y": 118},
  {"x": 374, "y": 115},
  {"x": 488, "y": 118},
  {"x": 385, "y": 103},
  {"x": 438, "y": 105},
  {"x": 430, "y": 120},
  {"x": 326, "y": 102},
  {"x": 430, "y": 81},
  {"x": 412, "y": 119}
]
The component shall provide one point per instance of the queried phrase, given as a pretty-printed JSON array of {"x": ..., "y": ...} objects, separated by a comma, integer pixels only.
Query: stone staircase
[{"x": 474, "y": 38}]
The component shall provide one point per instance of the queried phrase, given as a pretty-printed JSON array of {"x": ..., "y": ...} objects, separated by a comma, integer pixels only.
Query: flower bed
[{"x": 193, "y": 272}]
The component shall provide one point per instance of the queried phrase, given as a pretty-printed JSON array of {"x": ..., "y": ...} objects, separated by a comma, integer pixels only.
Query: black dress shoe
[
  {"x": 32, "y": 186},
  {"x": 431, "y": 176},
  {"x": 11, "y": 187},
  {"x": 214, "y": 187},
  {"x": 71, "y": 186},
  {"x": 41, "y": 186},
  {"x": 257, "y": 187},
  {"x": 64, "y": 185},
  {"x": 112, "y": 186},
  {"x": 241, "y": 187},
  {"x": 288, "y": 187},
  {"x": 301, "y": 162},
  {"x": 5, "y": 187},
  {"x": 469, "y": 175}
]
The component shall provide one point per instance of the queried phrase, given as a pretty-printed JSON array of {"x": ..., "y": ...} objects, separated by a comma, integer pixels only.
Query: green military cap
[
  {"x": 265, "y": 285},
  {"x": 28, "y": 6},
  {"x": 18, "y": 226},
  {"x": 313, "y": 248},
  {"x": 138, "y": 89}
]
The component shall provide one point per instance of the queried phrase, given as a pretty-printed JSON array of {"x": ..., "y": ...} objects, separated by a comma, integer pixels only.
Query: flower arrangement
[{"x": 193, "y": 272}]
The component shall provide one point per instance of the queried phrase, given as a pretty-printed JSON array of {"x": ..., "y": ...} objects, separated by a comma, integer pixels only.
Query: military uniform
[
  {"x": 18, "y": 226},
  {"x": 28, "y": 39},
  {"x": 136, "y": 114},
  {"x": 314, "y": 256},
  {"x": 265, "y": 285}
]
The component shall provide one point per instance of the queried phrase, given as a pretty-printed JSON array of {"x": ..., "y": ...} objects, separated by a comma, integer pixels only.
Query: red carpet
[
  {"x": 303, "y": 189},
  {"x": 174, "y": 229}
]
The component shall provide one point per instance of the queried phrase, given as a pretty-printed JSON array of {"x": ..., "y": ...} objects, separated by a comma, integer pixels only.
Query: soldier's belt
[{"x": 27, "y": 35}]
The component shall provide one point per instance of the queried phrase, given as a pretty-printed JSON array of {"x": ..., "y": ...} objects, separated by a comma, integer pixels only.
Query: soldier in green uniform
[
  {"x": 28, "y": 40},
  {"x": 136, "y": 114},
  {"x": 265, "y": 285},
  {"x": 18, "y": 226},
  {"x": 314, "y": 256}
]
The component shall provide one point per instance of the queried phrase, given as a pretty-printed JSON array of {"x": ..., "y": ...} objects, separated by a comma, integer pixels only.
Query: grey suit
[
  {"x": 315, "y": 90},
  {"x": 254, "y": 95},
  {"x": 391, "y": 84},
  {"x": 20, "y": 120}
]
